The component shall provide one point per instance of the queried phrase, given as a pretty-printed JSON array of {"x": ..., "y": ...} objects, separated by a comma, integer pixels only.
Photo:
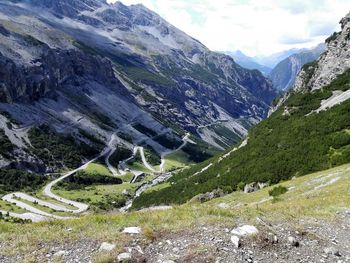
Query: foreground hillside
[{"x": 308, "y": 223}]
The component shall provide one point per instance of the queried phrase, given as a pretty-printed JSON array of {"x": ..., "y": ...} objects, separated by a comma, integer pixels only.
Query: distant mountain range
[
  {"x": 283, "y": 67},
  {"x": 284, "y": 73},
  {"x": 248, "y": 62}
]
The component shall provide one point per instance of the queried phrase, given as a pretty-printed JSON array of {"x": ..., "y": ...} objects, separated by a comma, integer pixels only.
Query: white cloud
[{"x": 256, "y": 27}]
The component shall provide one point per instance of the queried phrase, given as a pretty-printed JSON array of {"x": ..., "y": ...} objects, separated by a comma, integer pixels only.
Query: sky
[{"x": 256, "y": 27}]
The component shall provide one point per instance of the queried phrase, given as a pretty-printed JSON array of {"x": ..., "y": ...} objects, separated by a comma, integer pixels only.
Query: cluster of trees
[
  {"x": 119, "y": 155},
  {"x": 6, "y": 146},
  {"x": 168, "y": 142},
  {"x": 279, "y": 148},
  {"x": 82, "y": 179},
  {"x": 56, "y": 150},
  {"x": 15, "y": 180}
]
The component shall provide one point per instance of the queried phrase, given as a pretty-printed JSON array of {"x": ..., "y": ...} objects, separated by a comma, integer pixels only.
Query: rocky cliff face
[{"x": 335, "y": 61}]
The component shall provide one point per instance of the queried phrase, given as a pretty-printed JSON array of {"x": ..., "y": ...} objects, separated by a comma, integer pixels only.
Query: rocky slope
[
  {"x": 284, "y": 74},
  {"x": 333, "y": 62},
  {"x": 93, "y": 67}
]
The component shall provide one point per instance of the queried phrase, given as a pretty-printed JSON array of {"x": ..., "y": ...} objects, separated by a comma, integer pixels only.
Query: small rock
[
  {"x": 223, "y": 205},
  {"x": 293, "y": 241},
  {"x": 125, "y": 192},
  {"x": 236, "y": 241},
  {"x": 123, "y": 257},
  {"x": 245, "y": 230},
  {"x": 60, "y": 253},
  {"x": 132, "y": 230},
  {"x": 332, "y": 251},
  {"x": 106, "y": 247},
  {"x": 168, "y": 261}
]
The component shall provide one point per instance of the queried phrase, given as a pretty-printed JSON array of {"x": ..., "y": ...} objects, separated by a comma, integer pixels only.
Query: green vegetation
[
  {"x": 8, "y": 219},
  {"x": 83, "y": 179},
  {"x": 277, "y": 191},
  {"x": 167, "y": 141},
  {"x": 125, "y": 136},
  {"x": 145, "y": 130},
  {"x": 101, "y": 191},
  {"x": 309, "y": 69},
  {"x": 97, "y": 168},
  {"x": 200, "y": 151},
  {"x": 176, "y": 160},
  {"x": 32, "y": 40},
  {"x": 92, "y": 138},
  {"x": 120, "y": 154},
  {"x": 227, "y": 136},
  {"x": 58, "y": 151},
  {"x": 9, "y": 117},
  {"x": 6, "y": 146},
  {"x": 332, "y": 37},
  {"x": 99, "y": 197},
  {"x": 278, "y": 149},
  {"x": 15, "y": 180}
]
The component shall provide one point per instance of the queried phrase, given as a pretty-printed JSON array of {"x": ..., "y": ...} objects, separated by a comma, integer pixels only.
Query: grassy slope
[
  {"x": 301, "y": 202},
  {"x": 279, "y": 148}
]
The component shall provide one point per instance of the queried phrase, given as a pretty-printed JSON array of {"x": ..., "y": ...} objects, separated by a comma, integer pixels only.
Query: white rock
[
  {"x": 168, "y": 261},
  {"x": 293, "y": 241},
  {"x": 332, "y": 251},
  {"x": 236, "y": 241},
  {"x": 245, "y": 230},
  {"x": 223, "y": 205},
  {"x": 124, "y": 256},
  {"x": 60, "y": 253},
  {"x": 106, "y": 247},
  {"x": 125, "y": 192},
  {"x": 132, "y": 230}
]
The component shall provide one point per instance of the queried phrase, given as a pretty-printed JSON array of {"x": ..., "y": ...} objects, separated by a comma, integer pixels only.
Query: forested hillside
[{"x": 297, "y": 139}]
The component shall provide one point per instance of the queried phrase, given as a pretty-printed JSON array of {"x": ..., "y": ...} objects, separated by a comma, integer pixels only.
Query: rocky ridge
[{"x": 332, "y": 63}]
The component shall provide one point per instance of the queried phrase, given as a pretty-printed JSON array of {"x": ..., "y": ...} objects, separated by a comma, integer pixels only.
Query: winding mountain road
[{"x": 36, "y": 214}]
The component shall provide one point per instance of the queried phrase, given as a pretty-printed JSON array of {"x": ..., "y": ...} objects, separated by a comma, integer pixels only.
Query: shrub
[{"x": 277, "y": 191}]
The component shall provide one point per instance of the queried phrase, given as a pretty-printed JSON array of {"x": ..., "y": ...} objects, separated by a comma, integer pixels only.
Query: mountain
[
  {"x": 81, "y": 71},
  {"x": 284, "y": 73},
  {"x": 308, "y": 132},
  {"x": 272, "y": 60},
  {"x": 247, "y": 62}
]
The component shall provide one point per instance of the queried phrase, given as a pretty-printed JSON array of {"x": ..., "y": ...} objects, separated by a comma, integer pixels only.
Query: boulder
[
  {"x": 245, "y": 230},
  {"x": 124, "y": 257},
  {"x": 60, "y": 254},
  {"x": 250, "y": 188},
  {"x": 132, "y": 230},
  {"x": 253, "y": 187},
  {"x": 332, "y": 251},
  {"x": 210, "y": 195},
  {"x": 236, "y": 241},
  {"x": 106, "y": 247},
  {"x": 293, "y": 241}
]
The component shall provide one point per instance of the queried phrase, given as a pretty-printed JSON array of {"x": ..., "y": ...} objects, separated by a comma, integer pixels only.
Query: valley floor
[{"x": 309, "y": 223}]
